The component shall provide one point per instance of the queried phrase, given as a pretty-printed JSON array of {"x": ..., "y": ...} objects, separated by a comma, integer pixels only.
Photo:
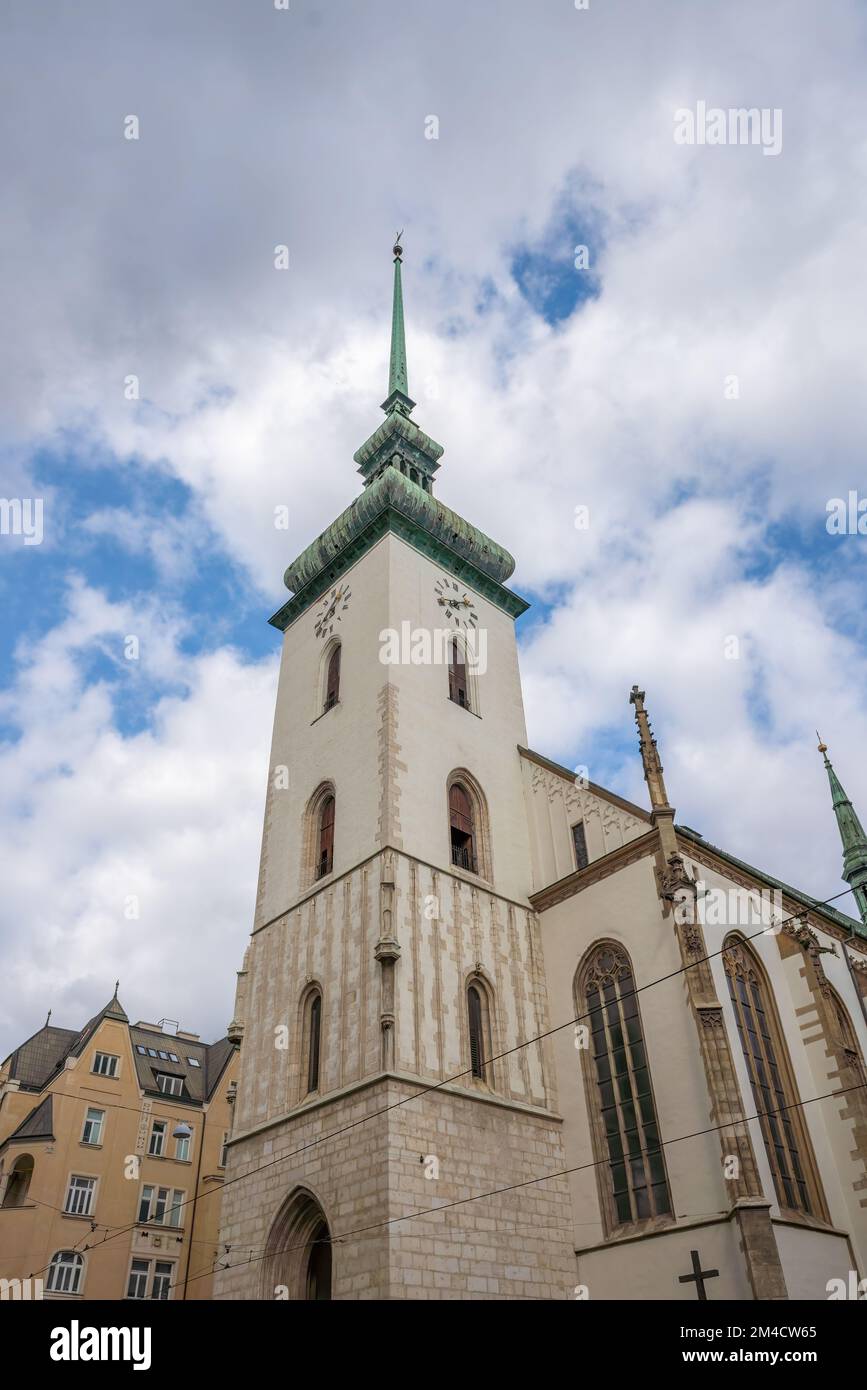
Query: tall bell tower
[{"x": 394, "y": 975}]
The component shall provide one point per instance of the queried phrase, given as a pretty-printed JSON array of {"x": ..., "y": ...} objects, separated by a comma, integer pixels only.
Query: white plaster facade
[{"x": 392, "y": 936}]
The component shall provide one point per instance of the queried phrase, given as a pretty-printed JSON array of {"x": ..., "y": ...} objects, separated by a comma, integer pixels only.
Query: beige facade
[{"x": 110, "y": 1175}]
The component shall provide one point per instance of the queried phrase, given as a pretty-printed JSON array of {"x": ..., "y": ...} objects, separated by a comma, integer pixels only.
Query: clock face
[
  {"x": 331, "y": 610},
  {"x": 456, "y": 603}
]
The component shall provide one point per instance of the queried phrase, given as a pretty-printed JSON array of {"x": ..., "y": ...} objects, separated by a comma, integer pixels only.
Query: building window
[
  {"x": 194, "y": 1061},
  {"x": 79, "y": 1196},
  {"x": 182, "y": 1147},
  {"x": 332, "y": 679},
  {"x": 767, "y": 1062},
  {"x": 459, "y": 689},
  {"x": 64, "y": 1272},
  {"x": 145, "y": 1284},
  {"x": 92, "y": 1133},
  {"x": 162, "y": 1281},
  {"x": 462, "y": 829},
  {"x": 141, "y": 1049},
  {"x": 158, "y": 1138},
  {"x": 170, "y": 1085},
  {"x": 138, "y": 1279},
  {"x": 160, "y": 1206},
  {"x": 104, "y": 1064},
  {"x": 625, "y": 1129},
  {"x": 325, "y": 853},
  {"x": 479, "y": 1030},
  {"x": 19, "y": 1182},
  {"x": 314, "y": 1040},
  {"x": 173, "y": 1057},
  {"x": 224, "y": 1148},
  {"x": 579, "y": 840}
]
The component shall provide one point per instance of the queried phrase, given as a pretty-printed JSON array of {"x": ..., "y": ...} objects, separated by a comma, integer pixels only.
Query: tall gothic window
[
  {"x": 463, "y": 833},
  {"x": 325, "y": 852},
  {"x": 459, "y": 690},
  {"x": 768, "y": 1067},
  {"x": 625, "y": 1127},
  {"x": 479, "y": 1030},
  {"x": 314, "y": 1041},
  {"x": 332, "y": 679}
]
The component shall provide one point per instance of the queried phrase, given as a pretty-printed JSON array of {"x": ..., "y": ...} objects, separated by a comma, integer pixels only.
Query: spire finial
[
  {"x": 48, "y": 1019},
  {"x": 398, "y": 398}
]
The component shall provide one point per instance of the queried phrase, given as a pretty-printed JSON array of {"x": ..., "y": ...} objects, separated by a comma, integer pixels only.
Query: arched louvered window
[
  {"x": 325, "y": 855},
  {"x": 463, "y": 834},
  {"x": 332, "y": 679},
  {"x": 459, "y": 689},
  {"x": 314, "y": 1041},
  {"x": 767, "y": 1061},
  {"x": 625, "y": 1129},
  {"x": 477, "y": 1033}
]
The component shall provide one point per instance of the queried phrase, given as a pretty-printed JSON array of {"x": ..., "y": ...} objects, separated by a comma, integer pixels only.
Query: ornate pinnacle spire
[
  {"x": 662, "y": 814},
  {"x": 649, "y": 753},
  {"x": 852, "y": 834},
  {"x": 398, "y": 388}
]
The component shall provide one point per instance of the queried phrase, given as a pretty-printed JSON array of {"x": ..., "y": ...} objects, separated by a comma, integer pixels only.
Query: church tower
[{"x": 395, "y": 973}]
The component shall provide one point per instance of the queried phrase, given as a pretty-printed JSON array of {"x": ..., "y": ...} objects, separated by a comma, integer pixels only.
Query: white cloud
[
  {"x": 91, "y": 820},
  {"x": 307, "y": 127}
]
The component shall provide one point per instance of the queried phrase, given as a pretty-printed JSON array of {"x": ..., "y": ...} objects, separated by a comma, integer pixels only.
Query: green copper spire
[
  {"x": 853, "y": 837},
  {"x": 398, "y": 388}
]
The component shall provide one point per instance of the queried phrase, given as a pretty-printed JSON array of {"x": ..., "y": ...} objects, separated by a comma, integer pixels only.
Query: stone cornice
[{"x": 424, "y": 1085}]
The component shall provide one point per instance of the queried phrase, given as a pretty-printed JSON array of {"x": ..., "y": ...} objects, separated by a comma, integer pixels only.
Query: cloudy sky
[{"x": 699, "y": 387}]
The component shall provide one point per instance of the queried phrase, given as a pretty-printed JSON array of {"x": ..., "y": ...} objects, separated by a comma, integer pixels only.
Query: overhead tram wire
[
  {"x": 425, "y": 1088},
  {"x": 528, "y": 1182}
]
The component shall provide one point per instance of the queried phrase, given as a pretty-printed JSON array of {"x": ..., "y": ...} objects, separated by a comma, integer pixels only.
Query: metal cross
[{"x": 698, "y": 1275}]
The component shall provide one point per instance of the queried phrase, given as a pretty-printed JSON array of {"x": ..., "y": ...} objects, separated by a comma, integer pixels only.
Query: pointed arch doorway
[{"x": 298, "y": 1254}]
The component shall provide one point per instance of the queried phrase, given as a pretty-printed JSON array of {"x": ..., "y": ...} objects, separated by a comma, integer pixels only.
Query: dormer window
[{"x": 170, "y": 1085}]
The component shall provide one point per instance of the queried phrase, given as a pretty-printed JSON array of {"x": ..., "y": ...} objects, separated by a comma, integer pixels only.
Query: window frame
[
  {"x": 599, "y": 1109},
  {"x": 159, "y": 1129},
  {"x": 580, "y": 826},
  {"x": 175, "y": 1091},
  {"x": 164, "y": 1205},
  {"x": 149, "y": 1274},
  {"x": 77, "y": 1268},
  {"x": 736, "y": 955},
  {"x": 93, "y": 1143},
  {"x": 111, "y": 1074},
  {"x": 91, "y": 1194}
]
